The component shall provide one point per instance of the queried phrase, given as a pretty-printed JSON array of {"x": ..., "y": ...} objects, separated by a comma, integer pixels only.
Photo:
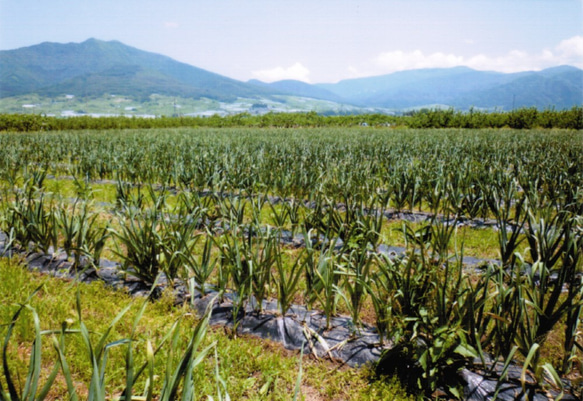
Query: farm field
[
  {"x": 158, "y": 105},
  {"x": 457, "y": 247}
]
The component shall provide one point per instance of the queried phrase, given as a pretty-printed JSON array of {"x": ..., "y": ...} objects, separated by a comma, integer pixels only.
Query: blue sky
[{"x": 314, "y": 40}]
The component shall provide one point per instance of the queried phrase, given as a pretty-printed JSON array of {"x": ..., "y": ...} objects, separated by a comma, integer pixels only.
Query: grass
[{"x": 253, "y": 369}]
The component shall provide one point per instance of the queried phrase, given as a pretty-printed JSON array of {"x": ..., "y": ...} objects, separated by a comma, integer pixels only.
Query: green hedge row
[{"x": 524, "y": 118}]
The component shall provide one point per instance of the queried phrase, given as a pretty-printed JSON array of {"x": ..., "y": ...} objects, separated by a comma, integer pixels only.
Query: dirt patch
[{"x": 309, "y": 393}]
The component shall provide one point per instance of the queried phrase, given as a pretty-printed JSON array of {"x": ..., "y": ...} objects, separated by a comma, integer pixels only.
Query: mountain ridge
[
  {"x": 94, "y": 67},
  {"x": 300, "y": 88},
  {"x": 55, "y": 63},
  {"x": 463, "y": 87}
]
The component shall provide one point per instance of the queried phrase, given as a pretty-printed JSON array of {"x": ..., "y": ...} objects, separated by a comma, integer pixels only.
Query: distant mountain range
[
  {"x": 95, "y": 68},
  {"x": 462, "y": 87}
]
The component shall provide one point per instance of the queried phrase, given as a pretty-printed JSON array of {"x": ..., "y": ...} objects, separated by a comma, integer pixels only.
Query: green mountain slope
[
  {"x": 541, "y": 90},
  {"x": 82, "y": 69},
  {"x": 462, "y": 87},
  {"x": 299, "y": 88},
  {"x": 127, "y": 80},
  {"x": 366, "y": 89}
]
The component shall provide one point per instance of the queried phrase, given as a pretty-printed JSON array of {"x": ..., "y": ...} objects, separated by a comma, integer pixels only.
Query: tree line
[{"x": 524, "y": 118}]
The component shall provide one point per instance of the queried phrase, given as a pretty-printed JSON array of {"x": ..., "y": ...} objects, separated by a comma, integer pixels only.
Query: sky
[{"x": 316, "y": 41}]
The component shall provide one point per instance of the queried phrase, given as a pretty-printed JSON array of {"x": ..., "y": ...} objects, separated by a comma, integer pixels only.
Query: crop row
[
  {"x": 435, "y": 170},
  {"x": 424, "y": 302}
]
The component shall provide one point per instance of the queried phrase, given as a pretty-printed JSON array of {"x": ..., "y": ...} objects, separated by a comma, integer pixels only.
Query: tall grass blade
[
  {"x": 297, "y": 389},
  {"x": 189, "y": 359},
  {"x": 66, "y": 371},
  {"x": 12, "y": 392},
  {"x": 530, "y": 359},
  {"x": 32, "y": 379}
]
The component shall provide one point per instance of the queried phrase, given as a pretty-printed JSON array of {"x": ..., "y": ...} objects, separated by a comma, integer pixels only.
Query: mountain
[
  {"x": 299, "y": 88},
  {"x": 462, "y": 87},
  {"x": 561, "y": 88},
  {"x": 96, "y": 67},
  {"x": 365, "y": 90}
]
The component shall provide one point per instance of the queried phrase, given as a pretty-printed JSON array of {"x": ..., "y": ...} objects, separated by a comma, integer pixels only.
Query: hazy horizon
[{"x": 324, "y": 42}]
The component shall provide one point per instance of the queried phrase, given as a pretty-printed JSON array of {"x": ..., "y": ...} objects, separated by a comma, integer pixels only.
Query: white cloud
[
  {"x": 513, "y": 61},
  {"x": 399, "y": 60},
  {"x": 171, "y": 24},
  {"x": 569, "y": 51},
  {"x": 354, "y": 72},
  {"x": 572, "y": 49},
  {"x": 296, "y": 71}
]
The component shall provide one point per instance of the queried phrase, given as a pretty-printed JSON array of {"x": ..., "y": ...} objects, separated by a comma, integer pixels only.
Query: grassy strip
[{"x": 252, "y": 369}]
